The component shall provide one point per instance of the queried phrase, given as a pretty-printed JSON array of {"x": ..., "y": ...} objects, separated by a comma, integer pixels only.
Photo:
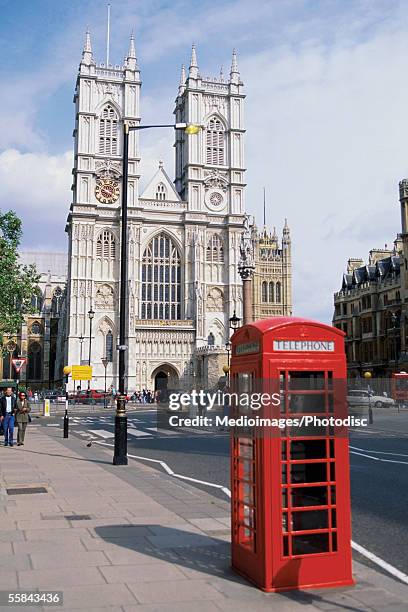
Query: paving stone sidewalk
[{"x": 134, "y": 539}]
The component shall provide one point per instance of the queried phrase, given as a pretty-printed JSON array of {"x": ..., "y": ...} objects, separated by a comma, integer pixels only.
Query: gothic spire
[
  {"x": 132, "y": 50},
  {"x": 234, "y": 74},
  {"x": 182, "y": 84},
  {"x": 130, "y": 60},
  {"x": 87, "y": 57},
  {"x": 193, "y": 72}
]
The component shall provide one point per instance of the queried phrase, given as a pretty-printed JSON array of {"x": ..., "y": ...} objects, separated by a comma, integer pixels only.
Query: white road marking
[
  {"x": 365, "y": 450},
  {"x": 363, "y": 551},
  {"x": 166, "y": 432},
  {"x": 102, "y": 433},
  {"x": 379, "y": 458},
  {"x": 139, "y": 434},
  {"x": 52, "y": 424},
  {"x": 386, "y": 566}
]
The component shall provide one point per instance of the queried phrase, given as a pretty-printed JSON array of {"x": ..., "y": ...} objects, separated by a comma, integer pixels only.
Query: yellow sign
[
  {"x": 81, "y": 372},
  {"x": 46, "y": 408}
]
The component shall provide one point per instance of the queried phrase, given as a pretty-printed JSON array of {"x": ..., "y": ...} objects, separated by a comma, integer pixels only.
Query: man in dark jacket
[{"x": 8, "y": 406}]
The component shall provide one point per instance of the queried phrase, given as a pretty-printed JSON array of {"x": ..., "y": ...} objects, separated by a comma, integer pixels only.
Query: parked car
[
  {"x": 362, "y": 397},
  {"x": 88, "y": 396}
]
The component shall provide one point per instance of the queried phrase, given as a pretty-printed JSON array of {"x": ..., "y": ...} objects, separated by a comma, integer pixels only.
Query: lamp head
[
  {"x": 234, "y": 321},
  {"x": 91, "y": 314},
  {"x": 367, "y": 375},
  {"x": 192, "y": 129}
]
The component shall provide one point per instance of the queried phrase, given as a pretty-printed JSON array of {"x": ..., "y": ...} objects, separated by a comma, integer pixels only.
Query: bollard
[
  {"x": 370, "y": 415},
  {"x": 66, "y": 423}
]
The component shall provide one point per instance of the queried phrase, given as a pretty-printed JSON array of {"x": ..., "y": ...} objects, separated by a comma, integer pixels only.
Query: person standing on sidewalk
[
  {"x": 22, "y": 417},
  {"x": 8, "y": 406}
]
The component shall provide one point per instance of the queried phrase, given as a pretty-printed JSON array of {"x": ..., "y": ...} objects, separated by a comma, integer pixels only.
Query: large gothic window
[
  {"x": 278, "y": 292},
  {"x": 264, "y": 291},
  {"x": 215, "y": 250},
  {"x": 56, "y": 302},
  {"x": 34, "y": 361},
  {"x": 106, "y": 245},
  {"x": 215, "y": 142},
  {"x": 109, "y": 346},
  {"x": 161, "y": 281},
  {"x": 271, "y": 292},
  {"x": 108, "y": 131}
]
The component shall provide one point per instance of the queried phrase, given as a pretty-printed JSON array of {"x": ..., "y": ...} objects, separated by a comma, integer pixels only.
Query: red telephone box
[{"x": 290, "y": 486}]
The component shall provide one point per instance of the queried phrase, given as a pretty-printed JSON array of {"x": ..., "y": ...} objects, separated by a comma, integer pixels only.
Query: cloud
[
  {"x": 325, "y": 134},
  {"x": 37, "y": 188}
]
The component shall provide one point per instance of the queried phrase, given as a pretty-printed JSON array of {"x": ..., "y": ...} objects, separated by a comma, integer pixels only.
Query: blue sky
[{"x": 325, "y": 115}]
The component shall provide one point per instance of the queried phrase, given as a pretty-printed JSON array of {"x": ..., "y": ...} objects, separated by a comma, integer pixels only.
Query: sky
[{"x": 326, "y": 113}]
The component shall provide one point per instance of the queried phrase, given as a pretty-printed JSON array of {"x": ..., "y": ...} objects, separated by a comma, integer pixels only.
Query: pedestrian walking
[
  {"x": 8, "y": 405},
  {"x": 22, "y": 417}
]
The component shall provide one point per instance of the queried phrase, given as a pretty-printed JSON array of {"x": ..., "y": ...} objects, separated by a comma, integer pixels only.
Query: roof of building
[
  {"x": 388, "y": 267},
  {"x": 52, "y": 263}
]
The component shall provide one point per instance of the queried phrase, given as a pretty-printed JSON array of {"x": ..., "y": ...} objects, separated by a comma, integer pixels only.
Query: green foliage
[{"x": 17, "y": 282}]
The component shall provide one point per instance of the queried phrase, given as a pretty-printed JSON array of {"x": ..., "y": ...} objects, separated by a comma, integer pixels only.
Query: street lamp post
[
  {"x": 394, "y": 321},
  {"x": 81, "y": 342},
  {"x": 91, "y": 315},
  {"x": 105, "y": 362},
  {"x": 120, "y": 451}
]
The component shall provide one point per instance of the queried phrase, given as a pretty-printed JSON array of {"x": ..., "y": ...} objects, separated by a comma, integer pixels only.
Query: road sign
[
  {"x": 18, "y": 363},
  {"x": 81, "y": 372}
]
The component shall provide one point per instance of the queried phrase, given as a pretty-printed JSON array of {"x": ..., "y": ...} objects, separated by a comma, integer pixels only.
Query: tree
[{"x": 17, "y": 282}]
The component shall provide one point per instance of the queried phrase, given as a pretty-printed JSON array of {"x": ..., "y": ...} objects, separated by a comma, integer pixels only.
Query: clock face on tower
[{"x": 107, "y": 191}]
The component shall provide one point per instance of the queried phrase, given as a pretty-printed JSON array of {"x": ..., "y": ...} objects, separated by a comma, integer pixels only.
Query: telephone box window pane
[
  {"x": 332, "y": 471},
  {"x": 330, "y": 401},
  {"x": 283, "y": 450},
  {"x": 285, "y": 546},
  {"x": 333, "y": 518},
  {"x": 334, "y": 542},
  {"x": 332, "y": 495},
  {"x": 307, "y": 403},
  {"x": 249, "y": 517},
  {"x": 308, "y": 472},
  {"x": 331, "y": 447},
  {"x": 306, "y": 381},
  {"x": 309, "y": 496},
  {"x": 284, "y": 473},
  {"x": 247, "y": 470},
  {"x": 246, "y": 493},
  {"x": 245, "y": 448},
  {"x": 308, "y": 449},
  {"x": 310, "y": 544},
  {"x": 285, "y": 498},
  {"x": 313, "y": 519}
]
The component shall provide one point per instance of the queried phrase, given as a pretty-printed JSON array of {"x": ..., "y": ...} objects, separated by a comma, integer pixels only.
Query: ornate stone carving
[
  {"x": 215, "y": 180},
  {"x": 215, "y": 300},
  {"x": 108, "y": 169},
  {"x": 105, "y": 297}
]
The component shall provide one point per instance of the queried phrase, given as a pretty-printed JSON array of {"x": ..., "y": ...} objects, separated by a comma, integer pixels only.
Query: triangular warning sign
[{"x": 18, "y": 363}]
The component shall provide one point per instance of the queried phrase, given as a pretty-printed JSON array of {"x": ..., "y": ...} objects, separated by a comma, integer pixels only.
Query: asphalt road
[{"x": 378, "y": 458}]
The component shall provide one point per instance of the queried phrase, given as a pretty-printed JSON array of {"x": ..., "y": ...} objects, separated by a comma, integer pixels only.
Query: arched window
[
  {"x": 106, "y": 245},
  {"x": 215, "y": 142},
  {"x": 108, "y": 131},
  {"x": 161, "y": 280},
  {"x": 211, "y": 339},
  {"x": 161, "y": 192},
  {"x": 271, "y": 292},
  {"x": 278, "y": 295},
  {"x": 34, "y": 361},
  {"x": 56, "y": 302},
  {"x": 109, "y": 346},
  {"x": 264, "y": 291},
  {"x": 215, "y": 250},
  {"x": 37, "y": 300}
]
